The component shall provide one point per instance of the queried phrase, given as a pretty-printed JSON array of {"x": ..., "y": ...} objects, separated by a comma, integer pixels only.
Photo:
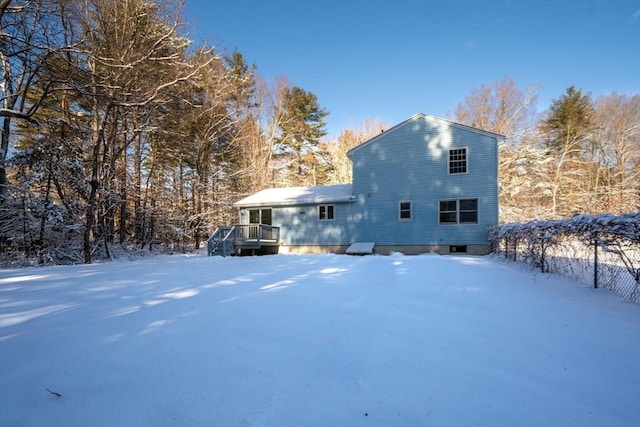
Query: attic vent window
[{"x": 458, "y": 160}]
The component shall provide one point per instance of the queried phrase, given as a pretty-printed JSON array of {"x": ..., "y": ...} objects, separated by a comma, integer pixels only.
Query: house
[{"x": 425, "y": 185}]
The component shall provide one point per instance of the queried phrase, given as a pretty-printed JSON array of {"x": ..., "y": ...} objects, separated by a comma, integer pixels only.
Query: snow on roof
[{"x": 298, "y": 196}]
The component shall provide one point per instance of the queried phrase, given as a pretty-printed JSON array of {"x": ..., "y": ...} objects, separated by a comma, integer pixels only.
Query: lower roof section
[{"x": 298, "y": 196}]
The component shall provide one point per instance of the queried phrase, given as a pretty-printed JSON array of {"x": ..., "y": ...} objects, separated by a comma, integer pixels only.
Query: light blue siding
[
  {"x": 410, "y": 162},
  {"x": 407, "y": 163},
  {"x": 299, "y": 224}
]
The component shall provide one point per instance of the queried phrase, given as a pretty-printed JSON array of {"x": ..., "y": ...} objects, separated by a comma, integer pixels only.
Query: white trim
[
  {"x": 467, "y": 156},
  {"x": 259, "y": 209},
  {"x": 477, "y": 210},
  {"x": 326, "y": 206},
  {"x": 457, "y": 211}
]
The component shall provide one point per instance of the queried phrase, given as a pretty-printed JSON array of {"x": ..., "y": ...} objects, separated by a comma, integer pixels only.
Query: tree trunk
[
  {"x": 137, "y": 184},
  {"x": 124, "y": 214},
  {"x": 94, "y": 184},
  {"x": 4, "y": 149}
]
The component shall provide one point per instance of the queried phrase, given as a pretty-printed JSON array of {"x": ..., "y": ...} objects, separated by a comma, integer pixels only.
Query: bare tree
[
  {"x": 617, "y": 135},
  {"x": 501, "y": 107},
  {"x": 134, "y": 57},
  {"x": 340, "y": 165},
  {"x": 524, "y": 185}
]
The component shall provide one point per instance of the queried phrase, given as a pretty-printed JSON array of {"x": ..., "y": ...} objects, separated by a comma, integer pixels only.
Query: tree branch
[{"x": 6, "y": 112}]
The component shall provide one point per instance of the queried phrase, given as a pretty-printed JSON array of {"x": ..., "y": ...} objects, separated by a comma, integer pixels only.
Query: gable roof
[
  {"x": 427, "y": 118},
  {"x": 298, "y": 196}
]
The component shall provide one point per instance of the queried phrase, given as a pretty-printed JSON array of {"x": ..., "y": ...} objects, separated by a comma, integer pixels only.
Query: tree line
[
  {"x": 117, "y": 129},
  {"x": 580, "y": 156},
  {"x": 119, "y": 132}
]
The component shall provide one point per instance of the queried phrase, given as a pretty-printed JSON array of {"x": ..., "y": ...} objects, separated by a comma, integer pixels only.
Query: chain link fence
[{"x": 599, "y": 251}]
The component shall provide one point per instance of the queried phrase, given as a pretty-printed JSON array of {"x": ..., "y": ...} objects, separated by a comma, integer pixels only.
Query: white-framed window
[
  {"x": 458, "y": 211},
  {"x": 325, "y": 212},
  {"x": 260, "y": 216},
  {"x": 404, "y": 210},
  {"x": 458, "y": 161}
]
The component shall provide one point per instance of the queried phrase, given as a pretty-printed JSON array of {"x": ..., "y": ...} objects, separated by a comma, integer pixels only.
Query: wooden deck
[{"x": 227, "y": 240}]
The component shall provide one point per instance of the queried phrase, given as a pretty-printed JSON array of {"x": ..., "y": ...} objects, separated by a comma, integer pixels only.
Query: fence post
[{"x": 595, "y": 260}]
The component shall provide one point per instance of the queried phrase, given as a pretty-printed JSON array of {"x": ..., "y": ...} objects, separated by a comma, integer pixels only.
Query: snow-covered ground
[{"x": 314, "y": 340}]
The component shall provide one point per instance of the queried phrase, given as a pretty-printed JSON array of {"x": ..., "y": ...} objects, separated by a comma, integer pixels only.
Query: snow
[
  {"x": 625, "y": 225},
  {"x": 314, "y": 340},
  {"x": 298, "y": 195},
  {"x": 361, "y": 248}
]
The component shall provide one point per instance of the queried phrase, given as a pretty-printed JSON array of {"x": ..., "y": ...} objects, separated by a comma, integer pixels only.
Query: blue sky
[{"x": 388, "y": 60}]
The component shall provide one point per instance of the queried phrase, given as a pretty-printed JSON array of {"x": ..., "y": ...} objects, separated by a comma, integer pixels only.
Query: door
[{"x": 260, "y": 216}]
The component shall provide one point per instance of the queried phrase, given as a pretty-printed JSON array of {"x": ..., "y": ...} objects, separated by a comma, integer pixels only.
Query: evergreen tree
[
  {"x": 244, "y": 109},
  {"x": 32, "y": 35},
  {"x": 567, "y": 131},
  {"x": 301, "y": 129},
  {"x": 570, "y": 122},
  {"x": 243, "y": 78}
]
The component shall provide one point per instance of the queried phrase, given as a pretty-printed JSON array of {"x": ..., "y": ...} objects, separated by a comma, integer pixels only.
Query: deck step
[{"x": 361, "y": 248}]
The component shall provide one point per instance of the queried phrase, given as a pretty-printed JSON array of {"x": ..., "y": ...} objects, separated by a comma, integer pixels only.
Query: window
[
  {"x": 260, "y": 216},
  {"x": 325, "y": 212},
  {"x": 458, "y": 160},
  {"x": 404, "y": 210},
  {"x": 448, "y": 212},
  {"x": 468, "y": 211},
  {"x": 459, "y": 211}
]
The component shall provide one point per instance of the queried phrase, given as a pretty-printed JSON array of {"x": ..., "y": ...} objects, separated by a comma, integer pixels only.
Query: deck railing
[
  {"x": 256, "y": 233},
  {"x": 226, "y": 238}
]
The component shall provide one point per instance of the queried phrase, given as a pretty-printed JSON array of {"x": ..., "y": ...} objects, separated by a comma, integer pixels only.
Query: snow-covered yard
[{"x": 314, "y": 340}]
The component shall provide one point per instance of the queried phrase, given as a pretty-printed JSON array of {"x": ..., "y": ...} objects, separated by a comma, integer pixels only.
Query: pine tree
[
  {"x": 568, "y": 130},
  {"x": 570, "y": 122},
  {"x": 302, "y": 127}
]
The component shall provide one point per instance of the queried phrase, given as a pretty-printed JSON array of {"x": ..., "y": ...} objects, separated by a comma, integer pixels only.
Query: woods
[
  {"x": 580, "y": 156},
  {"x": 119, "y": 132}
]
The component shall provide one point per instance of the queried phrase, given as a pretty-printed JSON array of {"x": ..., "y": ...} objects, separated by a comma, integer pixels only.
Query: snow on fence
[{"x": 597, "y": 250}]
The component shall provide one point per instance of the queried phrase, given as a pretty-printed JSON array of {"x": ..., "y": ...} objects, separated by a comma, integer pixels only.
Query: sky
[
  {"x": 313, "y": 340},
  {"x": 390, "y": 59}
]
